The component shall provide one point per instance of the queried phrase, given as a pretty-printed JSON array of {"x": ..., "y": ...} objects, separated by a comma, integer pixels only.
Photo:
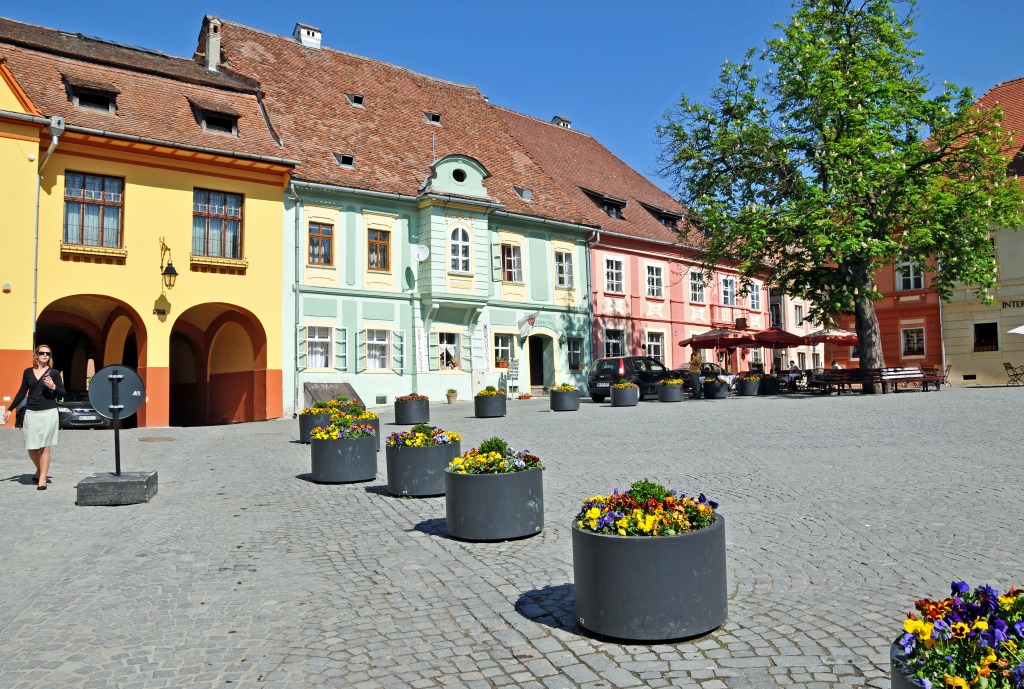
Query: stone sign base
[{"x": 130, "y": 488}]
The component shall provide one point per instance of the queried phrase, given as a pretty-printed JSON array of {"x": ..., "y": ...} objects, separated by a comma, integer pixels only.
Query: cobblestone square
[{"x": 243, "y": 573}]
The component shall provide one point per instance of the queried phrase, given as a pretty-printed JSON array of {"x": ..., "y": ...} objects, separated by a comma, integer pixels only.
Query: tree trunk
[{"x": 869, "y": 340}]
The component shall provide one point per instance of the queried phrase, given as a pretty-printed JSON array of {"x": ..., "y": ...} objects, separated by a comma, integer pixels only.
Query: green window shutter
[
  {"x": 433, "y": 352},
  {"x": 300, "y": 347},
  {"x": 466, "y": 353},
  {"x": 341, "y": 349},
  {"x": 398, "y": 351},
  {"x": 360, "y": 351}
]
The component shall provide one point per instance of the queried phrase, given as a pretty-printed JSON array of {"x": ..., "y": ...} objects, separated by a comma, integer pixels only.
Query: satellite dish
[{"x": 421, "y": 253}]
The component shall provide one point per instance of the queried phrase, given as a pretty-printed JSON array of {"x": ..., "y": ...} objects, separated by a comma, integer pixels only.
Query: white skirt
[{"x": 41, "y": 428}]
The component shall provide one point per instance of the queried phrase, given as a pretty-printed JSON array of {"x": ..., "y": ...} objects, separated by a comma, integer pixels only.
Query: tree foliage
[{"x": 834, "y": 159}]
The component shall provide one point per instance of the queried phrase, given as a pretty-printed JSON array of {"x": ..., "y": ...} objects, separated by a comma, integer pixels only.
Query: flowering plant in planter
[
  {"x": 340, "y": 432},
  {"x": 353, "y": 413},
  {"x": 714, "y": 379},
  {"x": 452, "y": 391},
  {"x": 623, "y": 384},
  {"x": 422, "y": 435},
  {"x": 501, "y": 362},
  {"x": 971, "y": 639},
  {"x": 494, "y": 456},
  {"x": 751, "y": 375},
  {"x": 565, "y": 387},
  {"x": 646, "y": 509},
  {"x": 489, "y": 391},
  {"x": 670, "y": 381},
  {"x": 526, "y": 397},
  {"x": 411, "y": 398},
  {"x": 319, "y": 408}
]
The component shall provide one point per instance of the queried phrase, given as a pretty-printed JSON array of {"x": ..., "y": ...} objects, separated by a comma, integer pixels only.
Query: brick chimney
[{"x": 213, "y": 44}]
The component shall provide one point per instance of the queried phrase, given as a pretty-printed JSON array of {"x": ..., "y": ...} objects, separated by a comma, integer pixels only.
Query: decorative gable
[{"x": 459, "y": 175}]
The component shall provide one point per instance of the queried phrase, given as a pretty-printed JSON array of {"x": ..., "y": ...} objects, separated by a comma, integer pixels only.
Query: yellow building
[{"x": 142, "y": 164}]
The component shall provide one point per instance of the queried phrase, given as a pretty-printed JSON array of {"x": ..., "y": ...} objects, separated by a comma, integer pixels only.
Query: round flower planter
[
  {"x": 769, "y": 386},
  {"x": 898, "y": 668},
  {"x": 411, "y": 412},
  {"x": 376, "y": 431},
  {"x": 307, "y": 422},
  {"x": 747, "y": 388},
  {"x": 419, "y": 471},
  {"x": 494, "y": 507},
  {"x": 651, "y": 588},
  {"x": 670, "y": 393},
  {"x": 486, "y": 406},
  {"x": 345, "y": 460},
  {"x": 625, "y": 397},
  {"x": 716, "y": 391},
  {"x": 565, "y": 401}
]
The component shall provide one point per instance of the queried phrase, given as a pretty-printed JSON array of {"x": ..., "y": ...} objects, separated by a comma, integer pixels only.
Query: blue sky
[{"x": 612, "y": 67}]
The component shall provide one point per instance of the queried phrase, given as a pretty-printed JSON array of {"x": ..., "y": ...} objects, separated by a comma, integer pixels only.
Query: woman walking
[{"x": 43, "y": 387}]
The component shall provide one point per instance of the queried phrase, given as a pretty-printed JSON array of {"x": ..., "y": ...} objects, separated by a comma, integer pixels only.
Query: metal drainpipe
[
  {"x": 35, "y": 259},
  {"x": 298, "y": 302},
  {"x": 590, "y": 290}
]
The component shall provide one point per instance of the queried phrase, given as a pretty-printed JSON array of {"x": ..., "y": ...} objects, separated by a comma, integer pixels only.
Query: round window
[{"x": 459, "y": 175}]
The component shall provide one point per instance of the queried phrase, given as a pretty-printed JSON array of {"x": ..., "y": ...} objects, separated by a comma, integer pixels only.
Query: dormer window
[
  {"x": 355, "y": 99},
  {"x": 668, "y": 218},
  {"x": 611, "y": 205},
  {"x": 669, "y": 222},
  {"x": 213, "y": 117},
  {"x": 90, "y": 94},
  {"x": 432, "y": 117},
  {"x": 524, "y": 194},
  {"x": 345, "y": 160}
]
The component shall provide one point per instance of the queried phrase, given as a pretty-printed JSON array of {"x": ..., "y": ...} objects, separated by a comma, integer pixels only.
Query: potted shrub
[
  {"x": 670, "y": 390},
  {"x": 715, "y": 388},
  {"x": 564, "y": 397},
  {"x": 625, "y": 394},
  {"x": 649, "y": 564},
  {"x": 501, "y": 362},
  {"x": 770, "y": 385},
  {"x": 970, "y": 639},
  {"x": 344, "y": 452},
  {"x": 311, "y": 417},
  {"x": 489, "y": 402},
  {"x": 494, "y": 493},
  {"x": 412, "y": 409},
  {"x": 452, "y": 395},
  {"x": 749, "y": 384},
  {"x": 417, "y": 458}
]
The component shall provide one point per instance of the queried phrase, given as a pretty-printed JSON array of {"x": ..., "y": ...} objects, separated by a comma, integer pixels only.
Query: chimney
[
  {"x": 561, "y": 121},
  {"x": 213, "y": 44},
  {"x": 307, "y": 35}
]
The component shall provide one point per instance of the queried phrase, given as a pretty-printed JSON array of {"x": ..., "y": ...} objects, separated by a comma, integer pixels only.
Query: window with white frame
[
  {"x": 816, "y": 360},
  {"x": 775, "y": 315},
  {"x": 908, "y": 277},
  {"x": 563, "y": 269},
  {"x": 729, "y": 291},
  {"x": 613, "y": 340},
  {"x": 449, "y": 350},
  {"x": 696, "y": 287},
  {"x": 798, "y": 315},
  {"x": 613, "y": 279},
  {"x": 656, "y": 345},
  {"x": 913, "y": 341},
  {"x": 574, "y": 351},
  {"x": 655, "y": 285},
  {"x": 318, "y": 346},
  {"x": 801, "y": 360},
  {"x": 755, "y": 297},
  {"x": 755, "y": 356},
  {"x": 458, "y": 251},
  {"x": 502, "y": 348},
  {"x": 378, "y": 350},
  {"x": 511, "y": 263}
]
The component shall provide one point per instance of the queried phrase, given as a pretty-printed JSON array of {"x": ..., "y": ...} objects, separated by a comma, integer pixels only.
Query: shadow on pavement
[{"x": 552, "y": 606}]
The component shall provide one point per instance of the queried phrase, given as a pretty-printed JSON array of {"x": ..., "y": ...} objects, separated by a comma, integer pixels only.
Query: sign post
[{"x": 513, "y": 375}]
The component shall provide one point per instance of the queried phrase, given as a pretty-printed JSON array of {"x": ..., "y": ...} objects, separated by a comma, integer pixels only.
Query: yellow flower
[
  {"x": 981, "y": 624},
  {"x": 956, "y": 682}
]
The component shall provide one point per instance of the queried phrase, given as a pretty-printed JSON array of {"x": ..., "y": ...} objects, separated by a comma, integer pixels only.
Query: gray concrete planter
[
  {"x": 565, "y": 401},
  {"x": 412, "y": 412},
  {"x": 419, "y": 471},
  {"x": 769, "y": 386},
  {"x": 376, "y": 430},
  {"x": 898, "y": 668},
  {"x": 645, "y": 588},
  {"x": 485, "y": 406},
  {"x": 625, "y": 397},
  {"x": 670, "y": 393},
  {"x": 494, "y": 507},
  {"x": 345, "y": 460},
  {"x": 307, "y": 422},
  {"x": 715, "y": 391},
  {"x": 747, "y": 388}
]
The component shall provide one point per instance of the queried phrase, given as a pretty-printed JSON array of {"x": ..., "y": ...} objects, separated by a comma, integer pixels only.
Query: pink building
[{"x": 647, "y": 290}]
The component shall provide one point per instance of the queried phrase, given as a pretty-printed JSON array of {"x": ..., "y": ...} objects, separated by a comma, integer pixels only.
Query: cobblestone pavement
[{"x": 243, "y": 573}]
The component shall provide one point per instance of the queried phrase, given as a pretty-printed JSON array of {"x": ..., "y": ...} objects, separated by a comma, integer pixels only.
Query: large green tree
[{"x": 828, "y": 154}]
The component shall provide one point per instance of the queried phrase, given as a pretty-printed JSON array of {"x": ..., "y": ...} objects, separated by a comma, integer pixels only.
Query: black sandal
[{"x": 40, "y": 487}]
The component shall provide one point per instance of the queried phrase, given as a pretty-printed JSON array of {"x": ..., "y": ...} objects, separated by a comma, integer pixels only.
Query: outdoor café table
[{"x": 791, "y": 379}]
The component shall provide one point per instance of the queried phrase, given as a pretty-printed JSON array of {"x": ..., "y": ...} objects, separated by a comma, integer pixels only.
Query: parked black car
[
  {"x": 76, "y": 411},
  {"x": 645, "y": 371}
]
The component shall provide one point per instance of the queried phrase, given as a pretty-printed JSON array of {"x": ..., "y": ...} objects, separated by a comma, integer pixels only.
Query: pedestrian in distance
[
  {"x": 42, "y": 386},
  {"x": 696, "y": 391}
]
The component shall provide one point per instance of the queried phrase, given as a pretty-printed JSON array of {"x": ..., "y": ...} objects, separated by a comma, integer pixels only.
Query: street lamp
[{"x": 167, "y": 272}]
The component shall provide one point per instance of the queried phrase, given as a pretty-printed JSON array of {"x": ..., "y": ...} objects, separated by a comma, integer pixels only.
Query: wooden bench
[
  {"x": 909, "y": 375},
  {"x": 843, "y": 378}
]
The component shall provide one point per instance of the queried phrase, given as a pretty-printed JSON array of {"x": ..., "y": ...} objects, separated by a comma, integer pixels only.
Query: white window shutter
[
  {"x": 341, "y": 349},
  {"x": 433, "y": 352},
  {"x": 300, "y": 347},
  {"x": 360, "y": 351},
  {"x": 398, "y": 351}
]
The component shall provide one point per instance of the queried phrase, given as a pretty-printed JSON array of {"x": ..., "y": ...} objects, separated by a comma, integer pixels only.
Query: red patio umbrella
[
  {"x": 776, "y": 338},
  {"x": 833, "y": 336},
  {"x": 715, "y": 338}
]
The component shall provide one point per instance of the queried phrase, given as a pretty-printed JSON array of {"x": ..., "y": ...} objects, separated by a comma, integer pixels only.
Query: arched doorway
[{"x": 217, "y": 363}]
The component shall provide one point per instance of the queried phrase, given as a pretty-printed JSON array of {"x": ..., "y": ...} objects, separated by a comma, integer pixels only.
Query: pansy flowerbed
[{"x": 646, "y": 509}]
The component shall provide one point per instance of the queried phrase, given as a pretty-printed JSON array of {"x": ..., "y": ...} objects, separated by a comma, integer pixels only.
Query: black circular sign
[{"x": 131, "y": 393}]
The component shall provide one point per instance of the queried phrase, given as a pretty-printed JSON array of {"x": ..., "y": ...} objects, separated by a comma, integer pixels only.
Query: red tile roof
[
  {"x": 153, "y": 90},
  {"x": 391, "y": 140},
  {"x": 1009, "y": 95},
  {"x": 580, "y": 164}
]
